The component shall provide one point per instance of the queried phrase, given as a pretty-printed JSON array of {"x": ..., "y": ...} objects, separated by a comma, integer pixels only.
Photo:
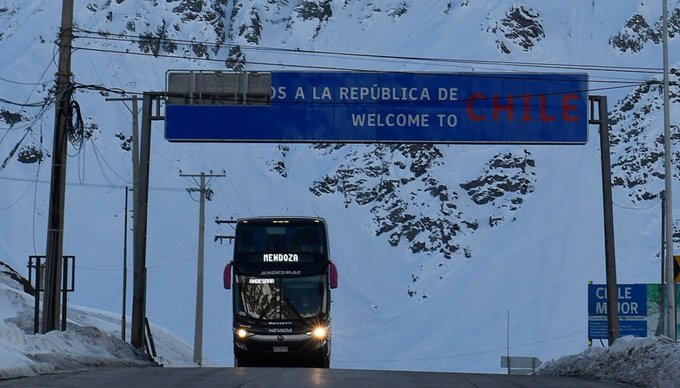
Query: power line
[
  {"x": 513, "y": 76},
  {"x": 37, "y": 104},
  {"x": 48, "y": 101},
  {"x": 593, "y": 67},
  {"x": 339, "y": 68},
  {"x": 20, "y": 197},
  {"x": 27, "y": 131},
  {"x": 654, "y": 204},
  {"x": 25, "y": 83},
  {"x": 489, "y": 98},
  {"x": 100, "y": 88},
  {"x": 162, "y": 263},
  {"x": 97, "y": 153},
  {"x": 93, "y": 185}
]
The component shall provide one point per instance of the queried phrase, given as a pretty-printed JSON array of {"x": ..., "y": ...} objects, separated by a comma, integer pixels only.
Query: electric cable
[
  {"x": 97, "y": 153},
  {"x": 21, "y": 196},
  {"x": 652, "y": 205},
  {"x": 48, "y": 101},
  {"x": 489, "y": 98},
  {"x": 99, "y": 35},
  {"x": 218, "y": 189},
  {"x": 36, "y": 104},
  {"x": 351, "y": 69},
  {"x": 25, "y": 83},
  {"x": 94, "y": 185}
]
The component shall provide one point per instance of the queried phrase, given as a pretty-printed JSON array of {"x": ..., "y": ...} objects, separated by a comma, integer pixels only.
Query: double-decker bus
[{"x": 281, "y": 276}]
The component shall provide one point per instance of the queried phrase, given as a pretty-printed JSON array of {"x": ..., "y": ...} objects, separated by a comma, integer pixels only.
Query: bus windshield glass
[
  {"x": 294, "y": 242},
  {"x": 281, "y": 298}
]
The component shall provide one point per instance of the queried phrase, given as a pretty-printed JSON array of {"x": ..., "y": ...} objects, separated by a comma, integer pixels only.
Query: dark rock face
[
  {"x": 637, "y": 141},
  {"x": 314, "y": 9},
  {"x": 504, "y": 174},
  {"x": 411, "y": 204},
  {"x": 154, "y": 42},
  {"x": 504, "y": 184},
  {"x": 637, "y": 32},
  {"x": 158, "y": 39},
  {"x": 236, "y": 59},
  {"x": 407, "y": 201},
  {"x": 521, "y": 26},
  {"x": 279, "y": 165}
]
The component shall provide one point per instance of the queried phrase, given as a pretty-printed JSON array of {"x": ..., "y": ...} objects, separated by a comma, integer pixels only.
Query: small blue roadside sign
[
  {"x": 632, "y": 310},
  {"x": 363, "y": 107}
]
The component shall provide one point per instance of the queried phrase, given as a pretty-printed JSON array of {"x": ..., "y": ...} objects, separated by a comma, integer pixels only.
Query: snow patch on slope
[{"x": 91, "y": 341}]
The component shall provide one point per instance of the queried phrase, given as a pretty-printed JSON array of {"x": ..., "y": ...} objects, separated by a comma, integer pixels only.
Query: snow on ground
[
  {"x": 647, "y": 362},
  {"x": 93, "y": 340}
]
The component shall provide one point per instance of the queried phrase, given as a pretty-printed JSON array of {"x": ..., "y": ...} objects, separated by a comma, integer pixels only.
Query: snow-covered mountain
[{"x": 436, "y": 245}]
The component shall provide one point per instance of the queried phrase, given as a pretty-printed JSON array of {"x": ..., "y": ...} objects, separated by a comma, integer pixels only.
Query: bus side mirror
[
  {"x": 227, "y": 276},
  {"x": 333, "y": 271}
]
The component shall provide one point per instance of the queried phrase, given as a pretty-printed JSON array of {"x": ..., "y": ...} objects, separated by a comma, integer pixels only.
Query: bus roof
[{"x": 281, "y": 220}]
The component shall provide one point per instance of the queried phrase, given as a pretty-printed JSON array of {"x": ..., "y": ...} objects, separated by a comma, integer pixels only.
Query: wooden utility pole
[
  {"x": 55, "y": 223},
  {"x": 205, "y": 193},
  {"x": 668, "y": 185}
]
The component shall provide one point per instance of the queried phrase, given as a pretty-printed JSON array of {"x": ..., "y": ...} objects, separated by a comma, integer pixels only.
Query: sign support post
[
  {"x": 140, "y": 220},
  {"x": 609, "y": 247}
]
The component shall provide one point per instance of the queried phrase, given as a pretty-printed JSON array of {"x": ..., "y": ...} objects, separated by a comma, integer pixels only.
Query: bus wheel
[
  {"x": 240, "y": 362},
  {"x": 322, "y": 361}
]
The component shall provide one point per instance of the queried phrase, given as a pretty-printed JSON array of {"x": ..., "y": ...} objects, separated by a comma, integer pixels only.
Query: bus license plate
[{"x": 280, "y": 349}]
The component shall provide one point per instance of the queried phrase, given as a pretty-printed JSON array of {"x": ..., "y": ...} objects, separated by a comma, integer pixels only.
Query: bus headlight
[
  {"x": 241, "y": 333},
  {"x": 320, "y": 332}
]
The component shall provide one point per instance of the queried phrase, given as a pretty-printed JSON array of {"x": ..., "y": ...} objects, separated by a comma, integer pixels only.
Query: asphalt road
[{"x": 289, "y": 377}]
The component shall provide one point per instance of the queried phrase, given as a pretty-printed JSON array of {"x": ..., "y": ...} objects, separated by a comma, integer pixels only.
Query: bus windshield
[
  {"x": 281, "y": 298},
  {"x": 258, "y": 243}
]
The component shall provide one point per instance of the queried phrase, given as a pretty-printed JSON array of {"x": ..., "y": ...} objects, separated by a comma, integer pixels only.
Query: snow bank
[
  {"x": 91, "y": 341},
  {"x": 648, "y": 362}
]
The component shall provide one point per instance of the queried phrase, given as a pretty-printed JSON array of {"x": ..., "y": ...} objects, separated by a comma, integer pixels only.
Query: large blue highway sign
[{"x": 359, "y": 107}]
